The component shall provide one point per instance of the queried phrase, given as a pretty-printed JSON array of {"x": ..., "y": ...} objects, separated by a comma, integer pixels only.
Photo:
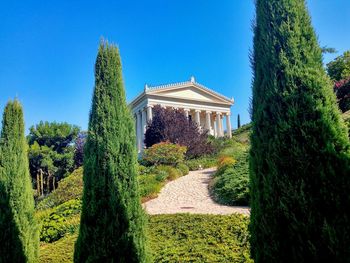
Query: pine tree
[
  {"x": 112, "y": 220},
  {"x": 19, "y": 238},
  {"x": 238, "y": 121},
  {"x": 299, "y": 164}
]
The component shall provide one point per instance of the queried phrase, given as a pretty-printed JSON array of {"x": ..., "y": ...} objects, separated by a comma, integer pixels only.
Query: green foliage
[
  {"x": 179, "y": 238},
  {"x": 69, "y": 188},
  {"x": 172, "y": 172},
  {"x": 51, "y": 152},
  {"x": 183, "y": 168},
  {"x": 242, "y": 134},
  {"x": 164, "y": 153},
  {"x": 199, "y": 238},
  {"x": 339, "y": 68},
  {"x": 299, "y": 162},
  {"x": 201, "y": 163},
  {"x": 61, "y": 221},
  {"x": 150, "y": 185},
  {"x": 60, "y": 251},
  {"x": 112, "y": 220},
  {"x": 231, "y": 185},
  {"x": 224, "y": 162},
  {"x": 19, "y": 234}
]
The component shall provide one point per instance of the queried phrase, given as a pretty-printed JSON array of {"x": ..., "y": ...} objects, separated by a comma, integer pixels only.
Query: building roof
[{"x": 153, "y": 90}]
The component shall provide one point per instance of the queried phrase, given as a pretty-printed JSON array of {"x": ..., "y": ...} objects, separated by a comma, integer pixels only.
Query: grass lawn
[{"x": 179, "y": 238}]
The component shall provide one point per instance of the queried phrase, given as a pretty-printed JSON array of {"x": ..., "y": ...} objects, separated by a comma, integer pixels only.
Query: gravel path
[{"x": 190, "y": 194}]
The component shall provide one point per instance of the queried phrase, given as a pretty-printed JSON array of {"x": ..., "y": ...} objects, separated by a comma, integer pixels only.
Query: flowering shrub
[{"x": 165, "y": 153}]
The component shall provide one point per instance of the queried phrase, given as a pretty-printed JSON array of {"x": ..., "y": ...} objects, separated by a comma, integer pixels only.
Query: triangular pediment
[{"x": 190, "y": 92}]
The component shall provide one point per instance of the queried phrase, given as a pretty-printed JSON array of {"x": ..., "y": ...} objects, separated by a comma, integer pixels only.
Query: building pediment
[
  {"x": 190, "y": 91},
  {"x": 186, "y": 92}
]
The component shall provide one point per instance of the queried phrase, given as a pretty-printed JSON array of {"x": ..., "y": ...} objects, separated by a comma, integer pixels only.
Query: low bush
[
  {"x": 150, "y": 185},
  {"x": 172, "y": 172},
  {"x": 60, "y": 221},
  {"x": 179, "y": 238},
  {"x": 68, "y": 188},
  {"x": 199, "y": 238},
  {"x": 231, "y": 184},
  {"x": 183, "y": 168},
  {"x": 201, "y": 163},
  {"x": 164, "y": 153},
  {"x": 225, "y": 162}
]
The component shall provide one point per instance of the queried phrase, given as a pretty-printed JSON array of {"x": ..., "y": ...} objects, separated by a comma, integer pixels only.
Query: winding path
[{"x": 190, "y": 194}]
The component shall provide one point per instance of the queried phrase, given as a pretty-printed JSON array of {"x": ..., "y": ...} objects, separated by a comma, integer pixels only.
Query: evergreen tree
[
  {"x": 19, "y": 238},
  {"x": 112, "y": 220},
  {"x": 238, "y": 121},
  {"x": 299, "y": 164}
]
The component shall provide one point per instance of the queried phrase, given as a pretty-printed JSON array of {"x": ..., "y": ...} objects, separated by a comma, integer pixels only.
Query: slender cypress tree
[
  {"x": 238, "y": 121},
  {"x": 299, "y": 164},
  {"x": 112, "y": 220},
  {"x": 19, "y": 238}
]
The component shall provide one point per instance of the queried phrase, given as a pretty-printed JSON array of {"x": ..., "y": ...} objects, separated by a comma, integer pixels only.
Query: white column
[
  {"x": 215, "y": 127},
  {"x": 197, "y": 117},
  {"x": 228, "y": 125},
  {"x": 149, "y": 113},
  {"x": 218, "y": 126},
  {"x": 207, "y": 120},
  {"x": 187, "y": 111},
  {"x": 138, "y": 130},
  {"x": 222, "y": 125},
  {"x": 143, "y": 128}
]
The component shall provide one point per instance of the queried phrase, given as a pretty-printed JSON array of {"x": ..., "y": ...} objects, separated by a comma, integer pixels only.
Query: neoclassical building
[{"x": 203, "y": 105}]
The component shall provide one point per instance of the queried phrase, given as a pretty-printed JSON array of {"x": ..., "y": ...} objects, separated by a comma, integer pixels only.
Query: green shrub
[
  {"x": 183, "y": 168},
  {"x": 59, "y": 251},
  {"x": 199, "y": 238},
  {"x": 68, "y": 188},
  {"x": 149, "y": 185},
  {"x": 224, "y": 162},
  {"x": 231, "y": 185},
  {"x": 161, "y": 176},
  {"x": 201, "y": 163},
  {"x": 172, "y": 172},
  {"x": 179, "y": 238},
  {"x": 164, "y": 153},
  {"x": 60, "y": 222}
]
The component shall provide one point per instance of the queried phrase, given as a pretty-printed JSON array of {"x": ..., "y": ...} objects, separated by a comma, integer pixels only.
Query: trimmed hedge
[
  {"x": 68, "y": 188},
  {"x": 179, "y": 238},
  {"x": 60, "y": 221}
]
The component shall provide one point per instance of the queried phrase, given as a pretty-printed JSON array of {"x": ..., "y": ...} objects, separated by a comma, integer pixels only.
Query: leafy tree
[
  {"x": 51, "y": 153},
  {"x": 299, "y": 159},
  {"x": 339, "y": 68},
  {"x": 112, "y": 220},
  {"x": 79, "y": 149},
  {"x": 19, "y": 237},
  {"x": 172, "y": 125}
]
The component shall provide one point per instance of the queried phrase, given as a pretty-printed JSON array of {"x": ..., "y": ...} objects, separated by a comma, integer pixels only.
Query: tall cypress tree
[
  {"x": 238, "y": 121},
  {"x": 300, "y": 175},
  {"x": 19, "y": 238},
  {"x": 112, "y": 220}
]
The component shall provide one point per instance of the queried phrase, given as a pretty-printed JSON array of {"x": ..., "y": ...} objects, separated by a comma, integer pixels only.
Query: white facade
[{"x": 205, "y": 106}]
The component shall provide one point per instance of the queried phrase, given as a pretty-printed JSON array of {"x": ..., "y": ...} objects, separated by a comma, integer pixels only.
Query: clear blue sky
[{"x": 48, "y": 49}]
